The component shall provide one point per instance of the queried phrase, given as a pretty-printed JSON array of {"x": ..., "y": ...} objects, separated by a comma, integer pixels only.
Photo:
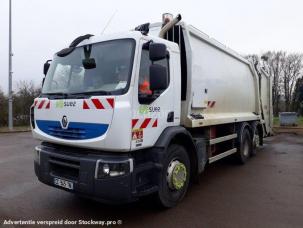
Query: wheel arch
[
  {"x": 179, "y": 135},
  {"x": 242, "y": 126},
  {"x": 257, "y": 126}
]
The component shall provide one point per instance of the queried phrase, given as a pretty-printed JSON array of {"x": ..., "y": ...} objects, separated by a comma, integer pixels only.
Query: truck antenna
[{"x": 109, "y": 21}]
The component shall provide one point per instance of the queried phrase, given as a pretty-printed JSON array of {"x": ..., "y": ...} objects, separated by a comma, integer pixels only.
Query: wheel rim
[{"x": 176, "y": 175}]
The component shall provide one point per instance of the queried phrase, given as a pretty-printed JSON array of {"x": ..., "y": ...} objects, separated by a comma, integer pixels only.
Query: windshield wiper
[
  {"x": 75, "y": 95},
  {"x": 101, "y": 92},
  {"x": 56, "y": 95}
]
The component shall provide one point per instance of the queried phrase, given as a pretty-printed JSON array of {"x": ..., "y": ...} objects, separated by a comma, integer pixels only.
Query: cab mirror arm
[{"x": 46, "y": 67}]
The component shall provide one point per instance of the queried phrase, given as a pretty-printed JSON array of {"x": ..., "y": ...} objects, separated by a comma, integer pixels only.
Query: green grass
[{"x": 277, "y": 122}]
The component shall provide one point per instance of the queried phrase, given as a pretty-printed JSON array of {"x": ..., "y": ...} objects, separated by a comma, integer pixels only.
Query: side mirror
[
  {"x": 157, "y": 51},
  {"x": 158, "y": 77},
  {"x": 46, "y": 67}
]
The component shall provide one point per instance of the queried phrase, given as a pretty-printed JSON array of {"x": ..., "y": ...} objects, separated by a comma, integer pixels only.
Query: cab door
[{"x": 153, "y": 111}]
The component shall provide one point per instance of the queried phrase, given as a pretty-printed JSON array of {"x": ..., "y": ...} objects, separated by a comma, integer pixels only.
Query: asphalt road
[{"x": 266, "y": 192}]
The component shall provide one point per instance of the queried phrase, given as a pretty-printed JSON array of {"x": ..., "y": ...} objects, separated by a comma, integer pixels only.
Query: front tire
[{"x": 175, "y": 176}]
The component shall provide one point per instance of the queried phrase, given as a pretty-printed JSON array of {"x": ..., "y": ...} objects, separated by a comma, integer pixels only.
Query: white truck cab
[
  {"x": 104, "y": 112},
  {"x": 127, "y": 115}
]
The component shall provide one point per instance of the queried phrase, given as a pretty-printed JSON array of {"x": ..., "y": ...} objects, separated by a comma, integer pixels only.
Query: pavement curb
[
  {"x": 289, "y": 130},
  {"x": 12, "y": 132}
]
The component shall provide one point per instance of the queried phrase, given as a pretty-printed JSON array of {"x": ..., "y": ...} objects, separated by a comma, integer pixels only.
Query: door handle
[{"x": 170, "y": 117}]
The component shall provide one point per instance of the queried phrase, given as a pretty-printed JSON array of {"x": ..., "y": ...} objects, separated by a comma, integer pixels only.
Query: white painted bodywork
[
  {"x": 222, "y": 85},
  {"x": 169, "y": 100},
  {"x": 215, "y": 74},
  {"x": 118, "y": 137},
  {"x": 266, "y": 99}
]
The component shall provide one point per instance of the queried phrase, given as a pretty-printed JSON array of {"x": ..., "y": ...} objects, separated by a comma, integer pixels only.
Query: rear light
[{"x": 32, "y": 116}]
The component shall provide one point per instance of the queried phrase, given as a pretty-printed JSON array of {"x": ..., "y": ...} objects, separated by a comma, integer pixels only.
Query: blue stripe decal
[{"x": 75, "y": 131}]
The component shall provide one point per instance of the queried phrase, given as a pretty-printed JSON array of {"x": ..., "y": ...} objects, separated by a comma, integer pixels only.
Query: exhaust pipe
[{"x": 169, "y": 25}]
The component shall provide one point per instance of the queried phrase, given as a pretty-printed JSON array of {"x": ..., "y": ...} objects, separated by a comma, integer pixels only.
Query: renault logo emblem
[{"x": 64, "y": 122}]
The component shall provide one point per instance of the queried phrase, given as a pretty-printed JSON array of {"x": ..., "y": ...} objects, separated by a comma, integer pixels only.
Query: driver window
[{"x": 144, "y": 81}]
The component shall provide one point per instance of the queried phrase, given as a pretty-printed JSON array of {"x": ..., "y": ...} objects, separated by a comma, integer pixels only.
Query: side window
[{"x": 144, "y": 77}]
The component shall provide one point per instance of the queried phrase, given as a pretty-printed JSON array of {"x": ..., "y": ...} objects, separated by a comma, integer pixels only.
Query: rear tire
[
  {"x": 244, "y": 146},
  {"x": 257, "y": 138},
  {"x": 175, "y": 176}
]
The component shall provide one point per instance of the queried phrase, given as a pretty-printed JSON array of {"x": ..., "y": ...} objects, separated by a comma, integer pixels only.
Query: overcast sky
[{"x": 40, "y": 28}]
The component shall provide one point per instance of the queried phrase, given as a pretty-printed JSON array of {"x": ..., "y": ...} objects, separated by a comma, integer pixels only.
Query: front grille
[
  {"x": 64, "y": 168},
  {"x": 70, "y": 133}
]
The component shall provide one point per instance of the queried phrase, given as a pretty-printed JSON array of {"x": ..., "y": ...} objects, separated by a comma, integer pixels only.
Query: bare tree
[
  {"x": 275, "y": 61},
  {"x": 298, "y": 96},
  {"x": 23, "y": 99},
  {"x": 253, "y": 58},
  {"x": 292, "y": 70},
  {"x": 3, "y": 109}
]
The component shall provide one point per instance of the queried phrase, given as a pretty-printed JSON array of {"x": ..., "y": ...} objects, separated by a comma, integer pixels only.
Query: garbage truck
[{"x": 144, "y": 112}]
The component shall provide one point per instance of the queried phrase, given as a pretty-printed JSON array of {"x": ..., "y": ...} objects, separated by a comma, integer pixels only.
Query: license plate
[{"x": 64, "y": 183}]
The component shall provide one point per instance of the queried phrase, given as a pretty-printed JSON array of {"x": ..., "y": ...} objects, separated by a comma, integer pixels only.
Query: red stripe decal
[
  {"x": 97, "y": 103},
  {"x": 145, "y": 123},
  {"x": 134, "y": 122},
  {"x": 35, "y": 103},
  {"x": 85, "y": 106},
  {"x": 41, "y": 104},
  {"x": 48, "y": 105},
  {"x": 155, "y": 124},
  {"x": 111, "y": 102}
]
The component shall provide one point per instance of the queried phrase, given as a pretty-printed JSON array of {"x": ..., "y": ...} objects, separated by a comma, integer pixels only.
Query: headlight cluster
[{"x": 106, "y": 169}]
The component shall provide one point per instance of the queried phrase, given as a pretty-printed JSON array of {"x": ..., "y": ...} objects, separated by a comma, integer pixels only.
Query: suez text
[
  {"x": 144, "y": 109},
  {"x": 69, "y": 103},
  {"x": 154, "y": 109},
  {"x": 61, "y": 104}
]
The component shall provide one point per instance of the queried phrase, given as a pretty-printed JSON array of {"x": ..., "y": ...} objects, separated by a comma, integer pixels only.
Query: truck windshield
[{"x": 110, "y": 74}]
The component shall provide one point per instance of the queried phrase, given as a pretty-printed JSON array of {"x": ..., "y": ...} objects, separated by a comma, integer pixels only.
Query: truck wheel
[
  {"x": 244, "y": 146},
  {"x": 257, "y": 139},
  {"x": 175, "y": 176}
]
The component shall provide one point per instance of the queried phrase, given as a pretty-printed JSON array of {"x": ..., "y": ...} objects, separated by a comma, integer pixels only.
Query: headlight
[{"x": 106, "y": 168}]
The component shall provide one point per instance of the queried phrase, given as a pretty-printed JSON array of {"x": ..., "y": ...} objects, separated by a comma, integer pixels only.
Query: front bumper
[{"x": 79, "y": 167}]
